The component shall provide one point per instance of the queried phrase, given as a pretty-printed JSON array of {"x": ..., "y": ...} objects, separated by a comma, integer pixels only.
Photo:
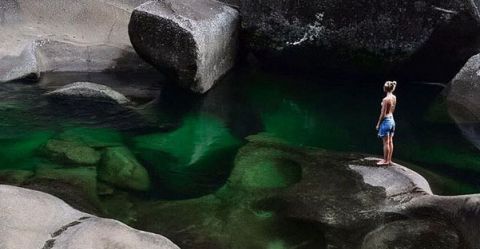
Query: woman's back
[{"x": 390, "y": 102}]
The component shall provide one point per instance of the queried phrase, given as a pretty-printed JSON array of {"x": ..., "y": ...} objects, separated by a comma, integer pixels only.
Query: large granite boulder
[
  {"x": 463, "y": 99},
  {"x": 31, "y": 219},
  {"x": 428, "y": 39},
  {"x": 284, "y": 197},
  {"x": 46, "y": 36},
  {"x": 195, "y": 41},
  {"x": 463, "y": 93}
]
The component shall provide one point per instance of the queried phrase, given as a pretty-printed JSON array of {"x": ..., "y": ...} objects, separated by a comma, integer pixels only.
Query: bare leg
[
  {"x": 385, "y": 151},
  {"x": 390, "y": 149}
]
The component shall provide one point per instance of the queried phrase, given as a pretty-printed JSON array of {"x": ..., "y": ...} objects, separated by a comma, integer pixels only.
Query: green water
[
  {"x": 188, "y": 146},
  {"x": 187, "y": 142}
]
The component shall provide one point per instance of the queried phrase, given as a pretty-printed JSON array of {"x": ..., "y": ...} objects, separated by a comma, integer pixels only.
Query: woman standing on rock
[{"x": 386, "y": 123}]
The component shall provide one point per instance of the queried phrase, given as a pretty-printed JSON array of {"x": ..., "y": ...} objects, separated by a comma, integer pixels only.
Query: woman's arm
[{"x": 382, "y": 113}]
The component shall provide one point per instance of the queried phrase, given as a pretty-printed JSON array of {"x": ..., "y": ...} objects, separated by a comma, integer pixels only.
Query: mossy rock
[
  {"x": 120, "y": 168},
  {"x": 95, "y": 138},
  {"x": 15, "y": 177},
  {"x": 76, "y": 186},
  {"x": 71, "y": 152},
  {"x": 184, "y": 161}
]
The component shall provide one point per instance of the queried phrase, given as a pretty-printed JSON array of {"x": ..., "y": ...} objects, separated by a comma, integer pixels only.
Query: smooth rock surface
[
  {"x": 281, "y": 195},
  {"x": 195, "y": 41},
  {"x": 66, "y": 35},
  {"x": 463, "y": 99},
  {"x": 412, "y": 234},
  {"x": 32, "y": 220},
  {"x": 88, "y": 91},
  {"x": 428, "y": 39},
  {"x": 284, "y": 196},
  {"x": 120, "y": 167},
  {"x": 71, "y": 152}
]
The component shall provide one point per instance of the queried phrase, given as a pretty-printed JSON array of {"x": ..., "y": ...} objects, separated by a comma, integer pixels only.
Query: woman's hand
[{"x": 377, "y": 127}]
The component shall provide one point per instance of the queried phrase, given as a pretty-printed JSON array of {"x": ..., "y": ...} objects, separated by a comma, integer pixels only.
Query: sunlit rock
[
  {"x": 31, "y": 219},
  {"x": 120, "y": 168},
  {"x": 66, "y": 36},
  {"x": 195, "y": 41}
]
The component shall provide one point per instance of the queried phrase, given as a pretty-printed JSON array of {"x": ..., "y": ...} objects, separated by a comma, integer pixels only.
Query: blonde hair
[{"x": 390, "y": 86}]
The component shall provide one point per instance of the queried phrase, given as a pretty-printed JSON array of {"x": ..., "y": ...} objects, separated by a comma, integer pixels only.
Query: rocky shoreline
[
  {"x": 195, "y": 43},
  {"x": 277, "y": 195},
  {"x": 276, "y": 189},
  {"x": 31, "y": 219}
]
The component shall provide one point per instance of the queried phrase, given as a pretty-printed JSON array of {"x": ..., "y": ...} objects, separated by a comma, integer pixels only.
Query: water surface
[{"x": 188, "y": 142}]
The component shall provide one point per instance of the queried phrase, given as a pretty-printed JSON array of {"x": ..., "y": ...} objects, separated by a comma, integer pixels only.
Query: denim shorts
[{"x": 387, "y": 127}]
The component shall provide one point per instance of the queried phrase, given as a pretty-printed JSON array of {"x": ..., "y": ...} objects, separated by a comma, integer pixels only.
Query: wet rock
[
  {"x": 87, "y": 91},
  {"x": 76, "y": 186},
  {"x": 31, "y": 219},
  {"x": 119, "y": 167},
  {"x": 195, "y": 41},
  {"x": 95, "y": 138},
  {"x": 15, "y": 177},
  {"x": 195, "y": 153},
  {"x": 362, "y": 38},
  {"x": 355, "y": 203},
  {"x": 71, "y": 152}
]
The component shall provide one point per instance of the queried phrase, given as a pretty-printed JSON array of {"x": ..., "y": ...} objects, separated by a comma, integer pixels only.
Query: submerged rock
[
  {"x": 187, "y": 159},
  {"x": 119, "y": 167},
  {"x": 15, "y": 177},
  {"x": 76, "y": 186},
  {"x": 87, "y": 91},
  {"x": 99, "y": 106},
  {"x": 366, "y": 38},
  {"x": 195, "y": 40},
  {"x": 71, "y": 152},
  {"x": 31, "y": 219},
  {"x": 281, "y": 195},
  {"x": 94, "y": 138}
]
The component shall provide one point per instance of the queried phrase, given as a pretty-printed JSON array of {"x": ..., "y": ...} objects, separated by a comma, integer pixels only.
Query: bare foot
[{"x": 381, "y": 162}]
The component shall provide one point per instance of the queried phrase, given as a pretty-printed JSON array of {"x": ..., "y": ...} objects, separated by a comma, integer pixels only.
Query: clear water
[{"x": 188, "y": 142}]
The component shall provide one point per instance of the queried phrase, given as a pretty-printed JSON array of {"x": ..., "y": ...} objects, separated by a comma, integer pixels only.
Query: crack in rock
[{"x": 51, "y": 242}]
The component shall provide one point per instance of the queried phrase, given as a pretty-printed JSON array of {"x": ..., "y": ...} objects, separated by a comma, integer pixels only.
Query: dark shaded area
[{"x": 414, "y": 40}]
